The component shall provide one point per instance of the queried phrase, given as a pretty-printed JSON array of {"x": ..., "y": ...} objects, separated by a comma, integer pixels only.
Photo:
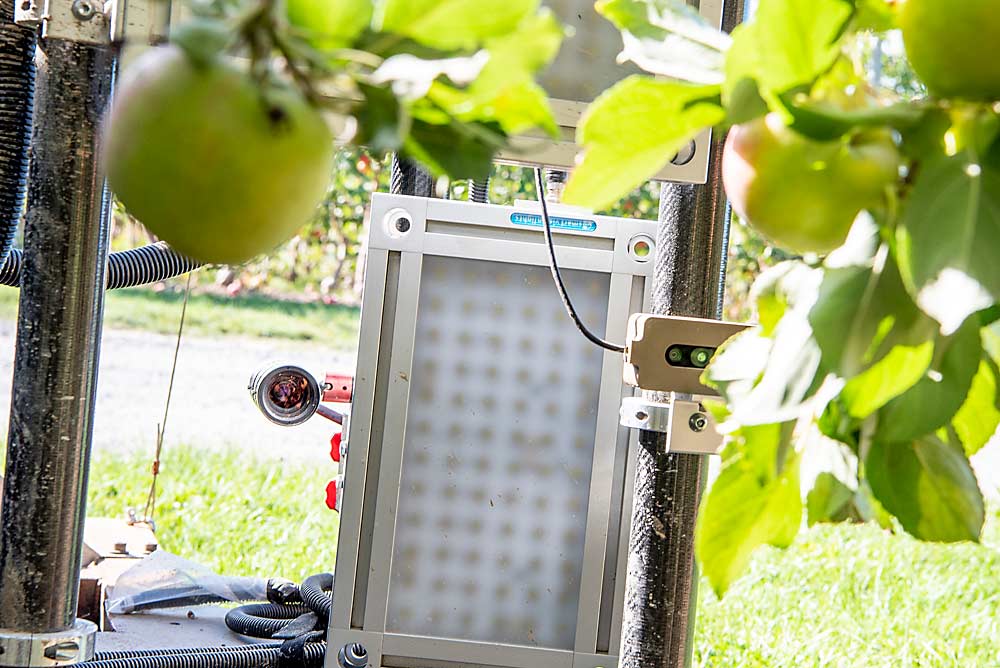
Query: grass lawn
[
  {"x": 842, "y": 597},
  {"x": 211, "y": 315}
]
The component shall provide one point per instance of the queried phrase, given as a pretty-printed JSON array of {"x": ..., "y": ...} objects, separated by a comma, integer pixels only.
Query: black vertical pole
[
  {"x": 58, "y": 339},
  {"x": 409, "y": 178},
  {"x": 662, "y": 583}
]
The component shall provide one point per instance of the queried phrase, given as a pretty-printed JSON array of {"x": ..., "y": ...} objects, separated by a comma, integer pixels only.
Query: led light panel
[
  {"x": 499, "y": 452},
  {"x": 486, "y": 485}
]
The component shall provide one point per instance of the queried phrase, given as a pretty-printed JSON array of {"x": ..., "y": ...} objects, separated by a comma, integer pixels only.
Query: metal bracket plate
[
  {"x": 688, "y": 426},
  {"x": 83, "y": 21}
]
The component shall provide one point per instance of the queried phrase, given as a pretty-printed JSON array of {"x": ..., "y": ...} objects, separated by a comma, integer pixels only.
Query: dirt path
[{"x": 211, "y": 407}]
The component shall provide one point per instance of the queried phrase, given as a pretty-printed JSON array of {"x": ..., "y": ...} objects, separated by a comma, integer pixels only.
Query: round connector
[
  {"x": 700, "y": 357},
  {"x": 398, "y": 223},
  {"x": 641, "y": 247},
  {"x": 685, "y": 155},
  {"x": 287, "y": 395},
  {"x": 353, "y": 655}
]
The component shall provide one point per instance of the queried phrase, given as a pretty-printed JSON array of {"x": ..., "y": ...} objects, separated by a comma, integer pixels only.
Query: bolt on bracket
[{"x": 688, "y": 426}]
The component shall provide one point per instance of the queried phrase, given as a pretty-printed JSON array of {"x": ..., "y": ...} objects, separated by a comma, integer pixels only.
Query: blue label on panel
[{"x": 535, "y": 220}]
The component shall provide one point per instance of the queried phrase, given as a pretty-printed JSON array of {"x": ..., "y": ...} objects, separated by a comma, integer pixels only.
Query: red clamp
[
  {"x": 335, "y": 446},
  {"x": 338, "y": 389},
  {"x": 331, "y": 495}
]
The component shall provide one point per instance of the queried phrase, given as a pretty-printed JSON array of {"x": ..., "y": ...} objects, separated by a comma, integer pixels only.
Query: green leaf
[
  {"x": 796, "y": 41},
  {"x": 669, "y": 38},
  {"x": 755, "y": 501},
  {"x": 977, "y": 420},
  {"x": 874, "y": 15},
  {"x": 895, "y": 373},
  {"x": 382, "y": 121},
  {"x": 632, "y": 130},
  {"x": 329, "y": 24},
  {"x": 929, "y": 486},
  {"x": 948, "y": 235},
  {"x": 826, "y": 122},
  {"x": 461, "y": 151},
  {"x": 862, "y": 312},
  {"x": 937, "y": 397},
  {"x": 829, "y": 500},
  {"x": 505, "y": 90},
  {"x": 452, "y": 24}
]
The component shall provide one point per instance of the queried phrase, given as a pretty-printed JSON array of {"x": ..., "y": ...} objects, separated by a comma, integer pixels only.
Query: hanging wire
[
  {"x": 557, "y": 275},
  {"x": 150, "y": 511}
]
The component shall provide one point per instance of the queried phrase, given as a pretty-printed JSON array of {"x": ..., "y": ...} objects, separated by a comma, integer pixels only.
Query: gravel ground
[{"x": 210, "y": 408}]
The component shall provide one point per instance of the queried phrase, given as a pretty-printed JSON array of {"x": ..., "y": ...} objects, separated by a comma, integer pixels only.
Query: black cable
[
  {"x": 557, "y": 276},
  {"x": 317, "y": 594}
]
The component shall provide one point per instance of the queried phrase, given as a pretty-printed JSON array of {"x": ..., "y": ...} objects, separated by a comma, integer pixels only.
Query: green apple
[
  {"x": 212, "y": 163},
  {"x": 952, "y": 46},
  {"x": 802, "y": 194}
]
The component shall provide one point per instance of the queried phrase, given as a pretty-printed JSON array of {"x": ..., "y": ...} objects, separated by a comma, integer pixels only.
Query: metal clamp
[
  {"x": 84, "y": 21},
  {"x": 688, "y": 426},
  {"x": 31, "y": 650}
]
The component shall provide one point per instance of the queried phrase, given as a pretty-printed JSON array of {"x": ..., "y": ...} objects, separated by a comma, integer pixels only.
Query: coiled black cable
[
  {"x": 311, "y": 656},
  {"x": 126, "y": 269},
  {"x": 317, "y": 594},
  {"x": 17, "y": 92},
  {"x": 140, "y": 653},
  {"x": 263, "y": 620}
]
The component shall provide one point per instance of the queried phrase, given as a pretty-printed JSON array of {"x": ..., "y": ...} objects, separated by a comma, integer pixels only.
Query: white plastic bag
[{"x": 164, "y": 580}]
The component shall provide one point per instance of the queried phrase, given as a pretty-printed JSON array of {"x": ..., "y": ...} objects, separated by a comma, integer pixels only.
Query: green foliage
[
  {"x": 443, "y": 81},
  {"x": 880, "y": 345}
]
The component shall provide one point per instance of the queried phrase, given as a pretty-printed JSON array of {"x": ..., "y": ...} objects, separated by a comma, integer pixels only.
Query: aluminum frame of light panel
[
  {"x": 385, "y": 419},
  {"x": 593, "y": 49}
]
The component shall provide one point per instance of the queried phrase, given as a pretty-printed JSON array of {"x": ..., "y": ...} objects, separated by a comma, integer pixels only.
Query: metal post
[
  {"x": 688, "y": 280},
  {"x": 409, "y": 178},
  {"x": 55, "y": 365}
]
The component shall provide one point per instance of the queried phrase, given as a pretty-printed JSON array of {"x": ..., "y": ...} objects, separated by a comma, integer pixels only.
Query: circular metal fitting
[
  {"x": 398, "y": 223},
  {"x": 353, "y": 655},
  {"x": 286, "y": 394},
  {"x": 685, "y": 155},
  {"x": 30, "y": 650},
  {"x": 83, "y": 10},
  {"x": 698, "y": 422}
]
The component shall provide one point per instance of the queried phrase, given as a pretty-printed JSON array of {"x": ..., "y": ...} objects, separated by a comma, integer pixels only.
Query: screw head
[
  {"x": 403, "y": 225},
  {"x": 698, "y": 422},
  {"x": 83, "y": 10}
]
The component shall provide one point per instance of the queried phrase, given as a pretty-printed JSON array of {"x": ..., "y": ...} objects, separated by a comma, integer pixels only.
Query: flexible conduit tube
[
  {"x": 255, "y": 657},
  {"x": 262, "y": 620},
  {"x": 17, "y": 89},
  {"x": 317, "y": 593},
  {"x": 142, "y": 653},
  {"x": 126, "y": 269}
]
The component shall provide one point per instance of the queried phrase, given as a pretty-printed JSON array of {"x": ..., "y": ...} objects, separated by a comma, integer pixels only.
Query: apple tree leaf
[
  {"x": 977, "y": 420},
  {"x": 632, "y": 130},
  {"x": 669, "y": 38},
  {"x": 937, "y": 397},
  {"x": 948, "y": 232},
  {"x": 755, "y": 501},
  {"x": 929, "y": 486},
  {"x": 452, "y": 24}
]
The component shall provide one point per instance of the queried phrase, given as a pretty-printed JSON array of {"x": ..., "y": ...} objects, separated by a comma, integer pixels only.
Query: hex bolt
[
  {"x": 698, "y": 422},
  {"x": 151, "y": 548},
  {"x": 353, "y": 655},
  {"x": 63, "y": 651},
  {"x": 120, "y": 548},
  {"x": 83, "y": 10}
]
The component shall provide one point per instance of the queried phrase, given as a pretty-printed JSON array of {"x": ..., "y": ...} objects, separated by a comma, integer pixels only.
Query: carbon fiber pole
[
  {"x": 409, "y": 178},
  {"x": 58, "y": 339},
  {"x": 688, "y": 280}
]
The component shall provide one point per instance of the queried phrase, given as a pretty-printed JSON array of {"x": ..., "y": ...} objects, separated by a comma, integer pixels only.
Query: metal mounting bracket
[
  {"x": 82, "y": 21},
  {"x": 689, "y": 427}
]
